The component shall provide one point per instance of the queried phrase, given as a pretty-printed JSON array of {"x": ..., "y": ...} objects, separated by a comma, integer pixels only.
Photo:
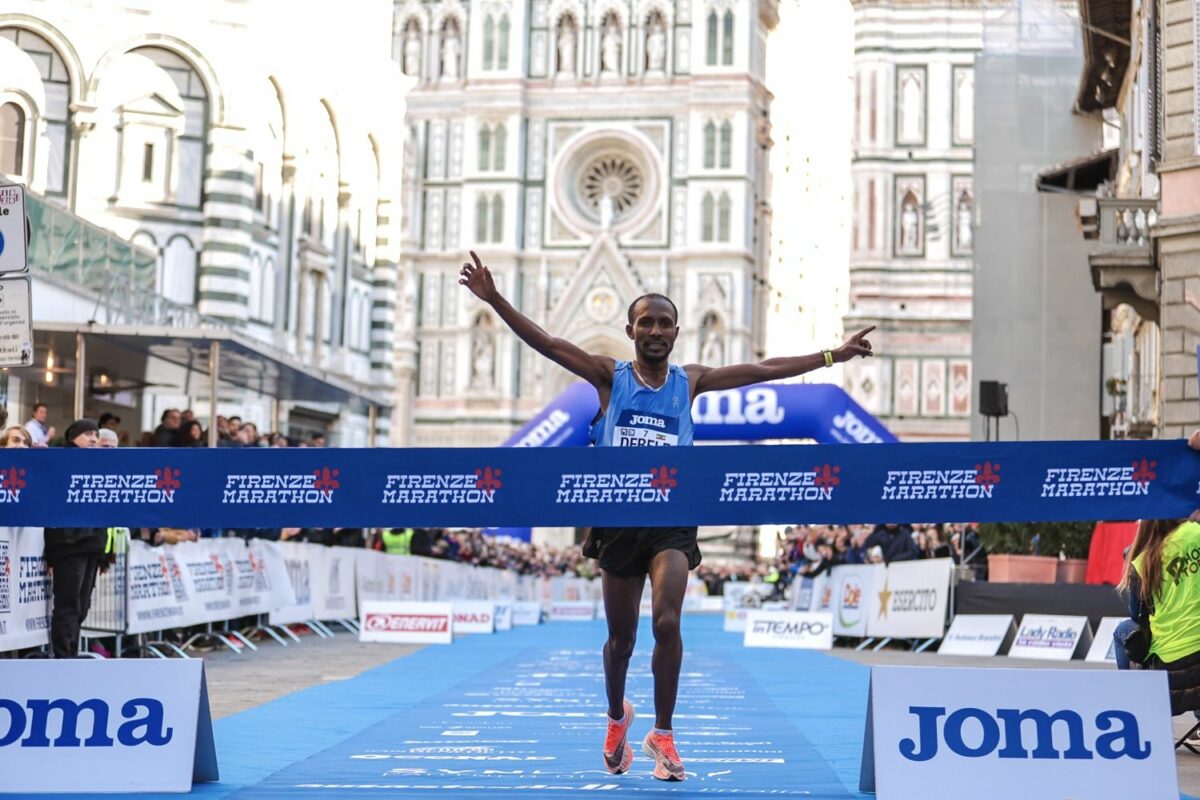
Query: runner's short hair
[{"x": 652, "y": 296}]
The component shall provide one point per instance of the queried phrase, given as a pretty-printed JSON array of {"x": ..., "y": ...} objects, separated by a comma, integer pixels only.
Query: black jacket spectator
[{"x": 896, "y": 542}]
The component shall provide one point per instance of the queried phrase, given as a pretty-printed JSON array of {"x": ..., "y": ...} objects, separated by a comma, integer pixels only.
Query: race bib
[{"x": 645, "y": 429}]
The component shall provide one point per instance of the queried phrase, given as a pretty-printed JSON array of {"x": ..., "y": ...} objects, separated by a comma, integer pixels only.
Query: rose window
[{"x": 614, "y": 176}]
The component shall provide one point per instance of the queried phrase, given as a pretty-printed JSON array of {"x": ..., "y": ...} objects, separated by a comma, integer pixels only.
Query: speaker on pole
[{"x": 993, "y": 399}]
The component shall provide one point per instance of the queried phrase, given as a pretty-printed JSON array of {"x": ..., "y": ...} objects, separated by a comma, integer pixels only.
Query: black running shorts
[{"x": 627, "y": 552}]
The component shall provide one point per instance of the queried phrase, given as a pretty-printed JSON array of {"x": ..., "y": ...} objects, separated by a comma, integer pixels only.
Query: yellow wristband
[{"x": 828, "y": 357}]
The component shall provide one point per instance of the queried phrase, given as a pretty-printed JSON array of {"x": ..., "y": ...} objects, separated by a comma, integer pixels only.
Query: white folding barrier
[{"x": 24, "y": 590}]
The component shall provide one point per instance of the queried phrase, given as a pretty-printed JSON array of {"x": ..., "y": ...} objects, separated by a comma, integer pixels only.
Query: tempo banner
[
  {"x": 116, "y": 725},
  {"x": 912, "y": 600},
  {"x": 516, "y": 486},
  {"x": 801, "y": 630},
  {"x": 1099, "y": 734}
]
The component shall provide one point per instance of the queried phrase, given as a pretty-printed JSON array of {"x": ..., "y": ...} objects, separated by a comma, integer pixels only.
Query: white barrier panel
[
  {"x": 526, "y": 613},
  {"x": 146, "y": 728},
  {"x": 942, "y": 733},
  {"x": 1051, "y": 638},
  {"x": 331, "y": 570},
  {"x": 801, "y": 630},
  {"x": 912, "y": 600},
  {"x": 1101, "y": 650},
  {"x": 406, "y": 623},
  {"x": 474, "y": 616},
  {"x": 504, "y": 615},
  {"x": 298, "y": 605},
  {"x": 774, "y": 605},
  {"x": 601, "y": 611},
  {"x": 977, "y": 635},
  {"x": 811, "y": 594},
  {"x": 711, "y": 605},
  {"x": 855, "y": 601},
  {"x": 24, "y": 589},
  {"x": 735, "y": 619},
  {"x": 568, "y": 611}
]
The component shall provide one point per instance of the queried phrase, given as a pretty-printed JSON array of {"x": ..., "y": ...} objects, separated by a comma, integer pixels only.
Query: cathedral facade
[
  {"x": 589, "y": 151},
  {"x": 913, "y": 211}
]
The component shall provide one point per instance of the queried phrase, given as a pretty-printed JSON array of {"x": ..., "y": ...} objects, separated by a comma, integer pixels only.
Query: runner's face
[{"x": 653, "y": 330}]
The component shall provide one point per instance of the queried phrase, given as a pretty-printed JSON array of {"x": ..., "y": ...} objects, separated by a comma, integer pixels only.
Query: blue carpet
[{"x": 520, "y": 715}]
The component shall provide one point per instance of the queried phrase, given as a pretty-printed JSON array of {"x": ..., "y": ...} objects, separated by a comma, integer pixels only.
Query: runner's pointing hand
[{"x": 478, "y": 279}]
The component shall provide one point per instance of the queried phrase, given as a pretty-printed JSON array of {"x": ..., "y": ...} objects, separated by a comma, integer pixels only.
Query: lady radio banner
[{"x": 979, "y": 481}]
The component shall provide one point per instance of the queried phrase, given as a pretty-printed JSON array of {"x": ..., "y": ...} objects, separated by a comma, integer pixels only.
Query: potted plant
[{"x": 1045, "y": 552}]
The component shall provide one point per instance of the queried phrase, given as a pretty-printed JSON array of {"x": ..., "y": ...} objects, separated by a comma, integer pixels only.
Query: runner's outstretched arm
[
  {"x": 709, "y": 379},
  {"x": 596, "y": 370}
]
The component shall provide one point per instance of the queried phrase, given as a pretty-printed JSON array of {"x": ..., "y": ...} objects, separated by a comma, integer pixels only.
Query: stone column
[
  {"x": 224, "y": 277},
  {"x": 1178, "y": 245}
]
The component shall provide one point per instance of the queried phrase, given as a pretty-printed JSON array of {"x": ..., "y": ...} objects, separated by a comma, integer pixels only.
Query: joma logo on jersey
[
  {"x": 1005, "y": 733},
  {"x": 156, "y": 487},
  {"x": 28, "y": 725},
  {"x": 641, "y": 419}
]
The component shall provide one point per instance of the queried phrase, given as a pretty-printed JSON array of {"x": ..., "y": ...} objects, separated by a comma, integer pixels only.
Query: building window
[
  {"x": 148, "y": 162},
  {"x": 12, "y": 139},
  {"x": 711, "y": 53},
  {"x": 726, "y": 144},
  {"x": 727, "y": 43},
  {"x": 481, "y": 218},
  {"x": 489, "y": 218},
  {"x": 910, "y": 100},
  {"x": 497, "y": 218},
  {"x": 485, "y": 148},
  {"x": 489, "y": 43},
  {"x": 499, "y": 145},
  {"x": 503, "y": 30},
  {"x": 710, "y": 145},
  {"x": 964, "y": 105},
  {"x": 707, "y": 211},
  {"x": 723, "y": 214}
]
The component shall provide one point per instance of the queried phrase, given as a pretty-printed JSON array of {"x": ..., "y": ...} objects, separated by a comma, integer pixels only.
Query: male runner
[{"x": 646, "y": 401}]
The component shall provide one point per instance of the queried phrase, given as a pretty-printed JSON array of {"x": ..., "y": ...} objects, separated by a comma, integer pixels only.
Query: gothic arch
[
  {"x": 208, "y": 75},
  {"x": 602, "y": 9},
  {"x": 648, "y": 8},
  {"x": 58, "y": 41},
  {"x": 277, "y": 85},
  {"x": 559, "y": 8},
  {"x": 337, "y": 138}
]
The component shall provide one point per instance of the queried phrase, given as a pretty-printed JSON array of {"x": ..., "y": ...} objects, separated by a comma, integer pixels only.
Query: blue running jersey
[{"x": 639, "y": 416}]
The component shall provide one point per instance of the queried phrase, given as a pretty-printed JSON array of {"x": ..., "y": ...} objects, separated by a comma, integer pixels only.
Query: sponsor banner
[
  {"x": 331, "y": 570},
  {"x": 578, "y": 611},
  {"x": 24, "y": 589},
  {"x": 474, "y": 616},
  {"x": 521, "y": 486},
  {"x": 1051, "y": 638},
  {"x": 526, "y": 613},
  {"x": 297, "y": 606},
  {"x": 406, "y": 623},
  {"x": 119, "y": 725},
  {"x": 1101, "y": 650},
  {"x": 812, "y": 594},
  {"x": 801, "y": 630},
  {"x": 1097, "y": 734},
  {"x": 855, "y": 600},
  {"x": 711, "y": 605},
  {"x": 912, "y": 600},
  {"x": 977, "y": 635},
  {"x": 504, "y": 615},
  {"x": 735, "y": 619}
]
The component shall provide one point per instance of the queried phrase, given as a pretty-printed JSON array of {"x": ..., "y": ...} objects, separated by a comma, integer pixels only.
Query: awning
[
  {"x": 119, "y": 351},
  {"x": 1081, "y": 175},
  {"x": 1106, "y": 46}
]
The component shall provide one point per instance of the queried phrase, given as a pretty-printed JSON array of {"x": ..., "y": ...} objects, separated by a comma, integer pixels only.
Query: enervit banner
[
  {"x": 1051, "y": 638},
  {"x": 855, "y": 601},
  {"x": 977, "y": 635},
  {"x": 912, "y": 600},
  {"x": 1097, "y": 734},
  {"x": 743, "y": 485},
  {"x": 410, "y": 623},
  {"x": 801, "y": 630},
  {"x": 104, "y": 726},
  {"x": 24, "y": 589}
]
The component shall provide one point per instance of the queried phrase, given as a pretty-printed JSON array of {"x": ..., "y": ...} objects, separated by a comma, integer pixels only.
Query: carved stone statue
[
  {"x": 963, "y": 222},
  {"x": 566, "y": 47},
  {"x": 656, "y": 48},
  {"x": 606, "y": 212},
  {"x": 412, "y": 52},
  {"x": 483, "y": 357},
  {"x": 610, "y": 50},
  {"x": 908, "y": 227},
  {"x": 451, "y": 48}
]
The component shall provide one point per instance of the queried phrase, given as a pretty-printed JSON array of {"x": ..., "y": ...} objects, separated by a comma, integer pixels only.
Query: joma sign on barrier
[
  {"x": 1089, "y": 734},
  {"x": 517, "y": 486},
  {"x": 104, "y": 726}
]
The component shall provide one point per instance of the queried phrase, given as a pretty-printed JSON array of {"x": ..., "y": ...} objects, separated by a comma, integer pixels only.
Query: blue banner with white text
[{"x": 520, "y": 487}]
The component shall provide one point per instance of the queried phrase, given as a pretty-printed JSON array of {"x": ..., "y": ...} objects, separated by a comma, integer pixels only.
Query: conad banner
[
  {"x": 24, "y": 590},
  {"x": 855, "y": 601},
  {"x": 514, "y": 486},
  {"x": 912, "y": 600},
  {"x": 819, "y": 411}
]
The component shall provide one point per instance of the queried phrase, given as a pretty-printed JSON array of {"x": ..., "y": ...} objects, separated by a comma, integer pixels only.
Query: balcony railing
[{"x": 1122, "y": 264}]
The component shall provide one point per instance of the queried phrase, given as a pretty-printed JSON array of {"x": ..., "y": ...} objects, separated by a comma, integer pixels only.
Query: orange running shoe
[
  {"x": 661, "y": 747},
  {"x": 618, "y": 755}
]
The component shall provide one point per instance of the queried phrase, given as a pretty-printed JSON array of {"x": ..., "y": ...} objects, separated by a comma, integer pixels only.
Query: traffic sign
[
  {"x": 14, "y": 249},
  {"x": 16, "y": 322}
]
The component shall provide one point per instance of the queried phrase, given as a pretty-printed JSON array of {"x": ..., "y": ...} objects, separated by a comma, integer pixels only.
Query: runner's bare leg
[
  {"x": 622, "y": 597},
  {"x": 668, "y": 584}
]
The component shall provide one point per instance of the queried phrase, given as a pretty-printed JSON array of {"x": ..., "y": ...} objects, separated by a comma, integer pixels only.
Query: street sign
[
  {"x": 14, "y": 249},
  {"x": 16, "y": 322}
]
